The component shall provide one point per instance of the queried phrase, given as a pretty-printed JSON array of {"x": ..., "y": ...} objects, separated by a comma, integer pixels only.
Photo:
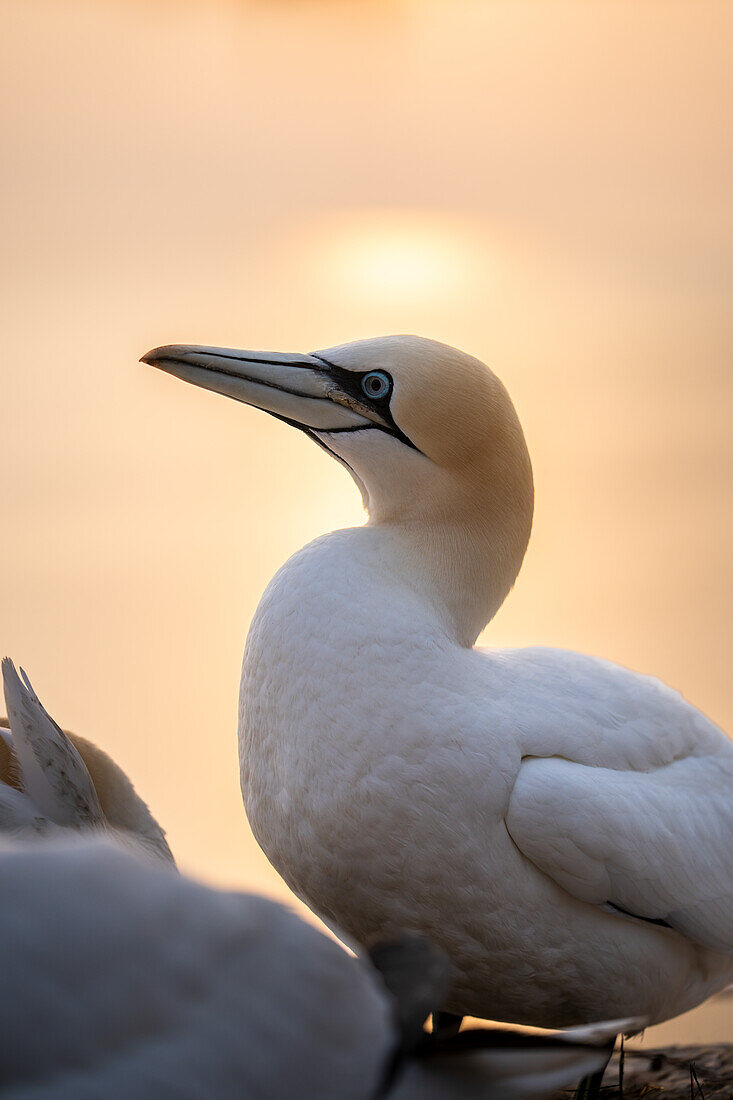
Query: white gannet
[
  {"x": 51, "y": 781},
  {"x": 122, "y": 979},
  {"x": 561, "y": 826}
]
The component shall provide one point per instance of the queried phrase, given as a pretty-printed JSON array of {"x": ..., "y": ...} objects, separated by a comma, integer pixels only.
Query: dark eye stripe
[{"x": 350, "y": 382}]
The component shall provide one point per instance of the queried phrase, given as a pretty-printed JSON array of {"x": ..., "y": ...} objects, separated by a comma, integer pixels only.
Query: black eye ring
[{"x": 376, "y": 384}]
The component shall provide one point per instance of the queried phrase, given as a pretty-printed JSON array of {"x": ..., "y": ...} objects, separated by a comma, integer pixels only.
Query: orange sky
[{"x": 544, "y": 184}]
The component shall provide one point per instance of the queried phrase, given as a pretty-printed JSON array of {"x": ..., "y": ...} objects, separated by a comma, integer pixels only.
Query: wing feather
[
  {"x": 54, "y": 774},
  {"x": 657, "y": 844}
]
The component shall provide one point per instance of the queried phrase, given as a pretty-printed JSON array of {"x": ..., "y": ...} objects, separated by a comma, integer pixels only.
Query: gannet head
[{"x": 428, "y": 433}]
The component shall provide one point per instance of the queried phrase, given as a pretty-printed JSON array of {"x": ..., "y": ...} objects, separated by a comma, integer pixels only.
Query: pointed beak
[{"x": 299, "y": 389}]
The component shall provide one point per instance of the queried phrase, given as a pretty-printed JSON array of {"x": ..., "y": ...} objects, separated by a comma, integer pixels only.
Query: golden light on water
[{"x": 403, "y": 257}]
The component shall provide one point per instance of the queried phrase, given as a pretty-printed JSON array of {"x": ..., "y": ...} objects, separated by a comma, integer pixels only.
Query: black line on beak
[
  {"x": 245, "y": 378},
  {"x": 256, "y": 359}
]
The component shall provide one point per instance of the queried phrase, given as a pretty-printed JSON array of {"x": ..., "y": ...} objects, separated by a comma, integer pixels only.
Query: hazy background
[{"x": 544, "y": 184}]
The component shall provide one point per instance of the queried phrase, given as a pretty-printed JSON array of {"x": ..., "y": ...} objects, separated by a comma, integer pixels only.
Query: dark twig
[{"x": 693, "y": 1073}]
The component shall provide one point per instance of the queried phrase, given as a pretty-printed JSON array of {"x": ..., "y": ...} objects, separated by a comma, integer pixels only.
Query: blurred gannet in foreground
[
  {"x": 561, "y": 826},
  {"x": 122, "y": 979}
]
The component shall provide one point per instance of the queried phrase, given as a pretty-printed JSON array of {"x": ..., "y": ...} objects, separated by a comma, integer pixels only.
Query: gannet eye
[{"x": 376, "y": 384}]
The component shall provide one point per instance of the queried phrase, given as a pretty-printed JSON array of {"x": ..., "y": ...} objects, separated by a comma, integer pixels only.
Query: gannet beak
[{"x": 300, "y": 389}]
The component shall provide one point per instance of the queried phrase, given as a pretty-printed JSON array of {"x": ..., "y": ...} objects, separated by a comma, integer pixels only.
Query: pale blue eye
[{"x": 375, "y": 384}]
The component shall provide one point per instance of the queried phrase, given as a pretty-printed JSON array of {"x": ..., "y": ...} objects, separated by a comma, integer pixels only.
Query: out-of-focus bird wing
[{"x": 53, "y": 773}]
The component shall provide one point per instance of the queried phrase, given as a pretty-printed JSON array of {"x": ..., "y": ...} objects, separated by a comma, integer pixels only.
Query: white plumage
[{"x": 561, "y": 826}]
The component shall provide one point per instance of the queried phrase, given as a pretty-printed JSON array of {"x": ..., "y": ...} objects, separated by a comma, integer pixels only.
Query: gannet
[
  {"x": 122, "y": 978},
  {"x": 561, "y": 826},
  {"x": 52, "y": 781}
]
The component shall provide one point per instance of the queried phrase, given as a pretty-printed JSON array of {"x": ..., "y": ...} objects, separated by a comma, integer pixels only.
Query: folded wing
[{"x": 656, "y": 844}]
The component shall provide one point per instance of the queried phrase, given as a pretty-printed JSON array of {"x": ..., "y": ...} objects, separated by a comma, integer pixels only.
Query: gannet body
[{"x": 561, "y": 826}]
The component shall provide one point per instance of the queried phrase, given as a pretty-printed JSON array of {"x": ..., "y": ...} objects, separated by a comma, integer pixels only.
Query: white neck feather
[
  {"x": 456, "y": 535},
  {"x": 460, "y": 570}
]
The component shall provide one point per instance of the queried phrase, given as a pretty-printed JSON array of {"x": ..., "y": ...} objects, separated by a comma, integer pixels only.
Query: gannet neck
[
  {"x": 463, "y": 544},
  {"x": 464, "y": 571}
]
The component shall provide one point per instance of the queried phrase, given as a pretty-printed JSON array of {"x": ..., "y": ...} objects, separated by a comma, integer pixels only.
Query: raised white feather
[
  {"x": 51, "y": 781},
  {"x": 54, "y": 775}
]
